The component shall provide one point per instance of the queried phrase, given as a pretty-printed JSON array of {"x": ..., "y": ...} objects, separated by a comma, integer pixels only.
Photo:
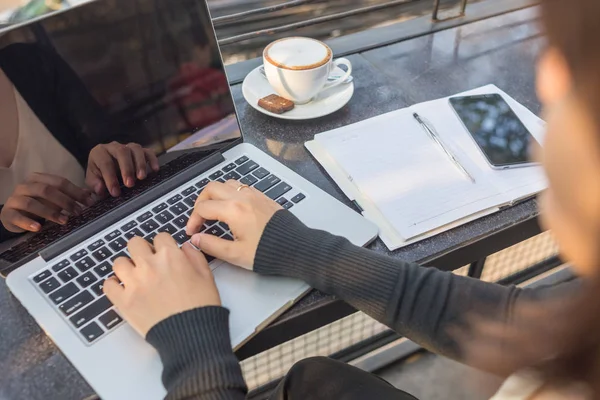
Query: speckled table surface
[{"x": 500, "y": 50}]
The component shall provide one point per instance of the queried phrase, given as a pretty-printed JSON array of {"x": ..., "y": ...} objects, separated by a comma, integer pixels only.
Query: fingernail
[
  {"x": 115, "y": 192},
  {"x": 63, "y": 219},
  {"x": 98, "y": 188},
  {"x": 141, "y": 174},
  {"x": 129, "y": 182},
  {"x": 89, "y": 201},
  {"x": 78, "y": 209},
  {"x": 155, "y": 167},
  {"x": 35, "y": 227},
  {"x": 196, "y": 241}
]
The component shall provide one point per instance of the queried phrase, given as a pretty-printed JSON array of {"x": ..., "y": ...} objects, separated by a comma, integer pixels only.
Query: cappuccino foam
[{"x": 297, "y": 53}]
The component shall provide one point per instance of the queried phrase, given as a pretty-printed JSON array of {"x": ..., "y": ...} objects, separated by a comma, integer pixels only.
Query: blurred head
[{"x": 569, "y": 88}]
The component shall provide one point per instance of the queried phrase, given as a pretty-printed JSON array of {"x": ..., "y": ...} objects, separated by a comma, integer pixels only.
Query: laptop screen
[{"x": 142, "y": 72}]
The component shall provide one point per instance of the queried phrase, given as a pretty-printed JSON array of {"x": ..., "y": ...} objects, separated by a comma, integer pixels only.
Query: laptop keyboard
[
  {"x": 53, "y": 231},
  {"x": 73, "y": 285}
]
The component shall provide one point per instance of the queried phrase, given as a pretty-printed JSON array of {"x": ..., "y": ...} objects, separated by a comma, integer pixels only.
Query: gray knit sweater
[{"x": 416, "y": 302}]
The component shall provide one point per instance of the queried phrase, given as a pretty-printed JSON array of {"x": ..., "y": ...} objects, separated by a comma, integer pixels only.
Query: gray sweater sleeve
[{"x": 417, "y": 302}]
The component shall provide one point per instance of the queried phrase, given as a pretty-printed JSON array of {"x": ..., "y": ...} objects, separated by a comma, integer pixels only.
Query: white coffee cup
[{"x": 297, "y": 68}]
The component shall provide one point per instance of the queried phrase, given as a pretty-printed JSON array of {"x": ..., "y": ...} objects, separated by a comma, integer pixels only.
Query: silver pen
[{"x": 434, "y": 137}]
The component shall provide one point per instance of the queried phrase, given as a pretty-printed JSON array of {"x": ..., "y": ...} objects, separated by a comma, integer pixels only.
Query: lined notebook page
[{"x": 403, "y": 172}]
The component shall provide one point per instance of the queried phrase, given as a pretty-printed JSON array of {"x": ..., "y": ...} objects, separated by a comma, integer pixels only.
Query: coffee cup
[{"x": 298, "y": 68}]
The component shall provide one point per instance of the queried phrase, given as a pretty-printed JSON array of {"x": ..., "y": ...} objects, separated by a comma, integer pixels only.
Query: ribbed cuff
[{"x": 196, "y": 353}]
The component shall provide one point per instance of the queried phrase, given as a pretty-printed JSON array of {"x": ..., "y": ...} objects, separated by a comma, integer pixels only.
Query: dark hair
[{"x": 560, "y": 338}]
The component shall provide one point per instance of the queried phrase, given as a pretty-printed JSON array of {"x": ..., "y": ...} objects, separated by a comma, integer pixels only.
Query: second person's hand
[{"x": 247, "y": 212}]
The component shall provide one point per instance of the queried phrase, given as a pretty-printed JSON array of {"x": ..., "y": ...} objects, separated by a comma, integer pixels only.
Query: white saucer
[{"x": 256, "y": 86}]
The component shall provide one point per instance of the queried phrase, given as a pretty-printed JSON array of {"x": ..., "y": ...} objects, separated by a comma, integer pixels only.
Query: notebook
[{"x": 406, "y": 184}]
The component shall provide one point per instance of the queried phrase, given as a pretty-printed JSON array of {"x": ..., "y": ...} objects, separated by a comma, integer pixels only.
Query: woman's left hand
[{"x": 160, "y": 281}]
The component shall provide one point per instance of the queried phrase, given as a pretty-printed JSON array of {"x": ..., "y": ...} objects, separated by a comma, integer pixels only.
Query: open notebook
[{"x": 406, "y": 184}]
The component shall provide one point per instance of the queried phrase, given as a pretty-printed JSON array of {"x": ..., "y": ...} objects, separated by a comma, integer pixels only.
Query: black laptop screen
[{"x": 143, "y": 72}]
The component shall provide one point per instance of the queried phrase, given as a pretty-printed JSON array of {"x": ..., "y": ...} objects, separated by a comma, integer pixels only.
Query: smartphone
[{"x": 500, "y": 135}]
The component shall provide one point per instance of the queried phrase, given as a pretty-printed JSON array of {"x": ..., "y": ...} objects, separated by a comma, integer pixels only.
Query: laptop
[{"x": 155, "y": 72}]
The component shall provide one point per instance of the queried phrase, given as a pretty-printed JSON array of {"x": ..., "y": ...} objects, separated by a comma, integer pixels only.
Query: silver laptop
[{"x": 156, "y": 73}]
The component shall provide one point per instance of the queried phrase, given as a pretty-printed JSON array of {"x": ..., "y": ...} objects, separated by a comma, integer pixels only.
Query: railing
[{"x": 241, "y": 17}]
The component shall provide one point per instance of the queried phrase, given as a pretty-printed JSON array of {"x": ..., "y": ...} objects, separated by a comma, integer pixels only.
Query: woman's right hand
[
  {"x": 247, "y": 212},
  {"x": 43, "y": 196}
]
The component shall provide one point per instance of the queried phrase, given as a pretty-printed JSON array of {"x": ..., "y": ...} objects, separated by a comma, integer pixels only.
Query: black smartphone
[{"x": 499, "y": 133}]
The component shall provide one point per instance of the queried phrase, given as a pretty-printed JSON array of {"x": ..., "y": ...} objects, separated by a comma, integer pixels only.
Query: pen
[{"x": 434, "y": 137}]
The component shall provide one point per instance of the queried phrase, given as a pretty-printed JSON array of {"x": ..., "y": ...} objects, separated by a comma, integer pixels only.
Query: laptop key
[
  {"x": 170, "y": 229},
  {"x": 144, "y": 217},
  {"x": 281, "y": 201},
  {"x": 298, "y": 198},
  {"x": 229, "y": 167},
  {"x": 288, "y": 205},
  {"x": 75, "y": 303},
  {"x": 97, "y": 288},
  {"x": 90, "y": 312},
  {"x": 42, "y": 275},
  {"x": 49, "y": 285},
  {"x": 181, "y": 237},
  {"x": 181, "y": 221},
  {"x": 216, "y": 175},
  {"x": 227, "y": 236},
  {"x": 248, "y": 180},
  {"x": 178, "y": 208},
  {"x": 96, "y": 245},
  {"x": 81, "y": 253},
  {"x": 267, "y": 183},
  {"x": 67, "y": 274},
  {"x": 224, "y": 226},
  {"x": 232, "y": 176},
  {"x": 150, "y": 238},
  {"x": 60, "y": 266},
  {"x": 159, "y": 208},
  {"x": 175, "y": 199},
  {"x": 202, "y": 183},
  {"x": 92, "y": 332},
  {"x": 102, "y": 254},
  {"x": 110, "y": 319},
  {"x": 121, "y": 254},
  {"x": 188, "y": 191},
  {"x": 133, "y": 233},
  {"x": 86, "y": 280},
  {"x": 279, "y": 190},
  {"x": 261, "y": 173},
  {"x": 149, "y": 226},
  {"x": 220, "y": 180},
  {"x": 103, "y": 269},
  {"x": 84, "y": 264},
  {"x": 129, "y": 226},
  {"x": 164, "y": 217},
  {"x": 64, "y": 293},
  {"x": 247, "y": 168},
  {"x": 241, "y": 160},
  {"x": 113, "y": 235},
  {"x": 118, "y": 244},
  {"x": 191, "y": 201},
  {"x": 215, "y": 231}
]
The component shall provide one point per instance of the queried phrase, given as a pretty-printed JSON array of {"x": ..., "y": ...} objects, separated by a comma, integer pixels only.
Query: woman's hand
[
  {"x": 43, "y": 196},
  {"x": 247, "y": 212},
  {"x": 160, "y": 281},
  {"x": 106, "y": 159}
]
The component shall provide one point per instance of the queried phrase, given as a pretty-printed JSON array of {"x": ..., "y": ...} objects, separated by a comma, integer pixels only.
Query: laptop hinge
[{"x": 128, "y": 208}]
